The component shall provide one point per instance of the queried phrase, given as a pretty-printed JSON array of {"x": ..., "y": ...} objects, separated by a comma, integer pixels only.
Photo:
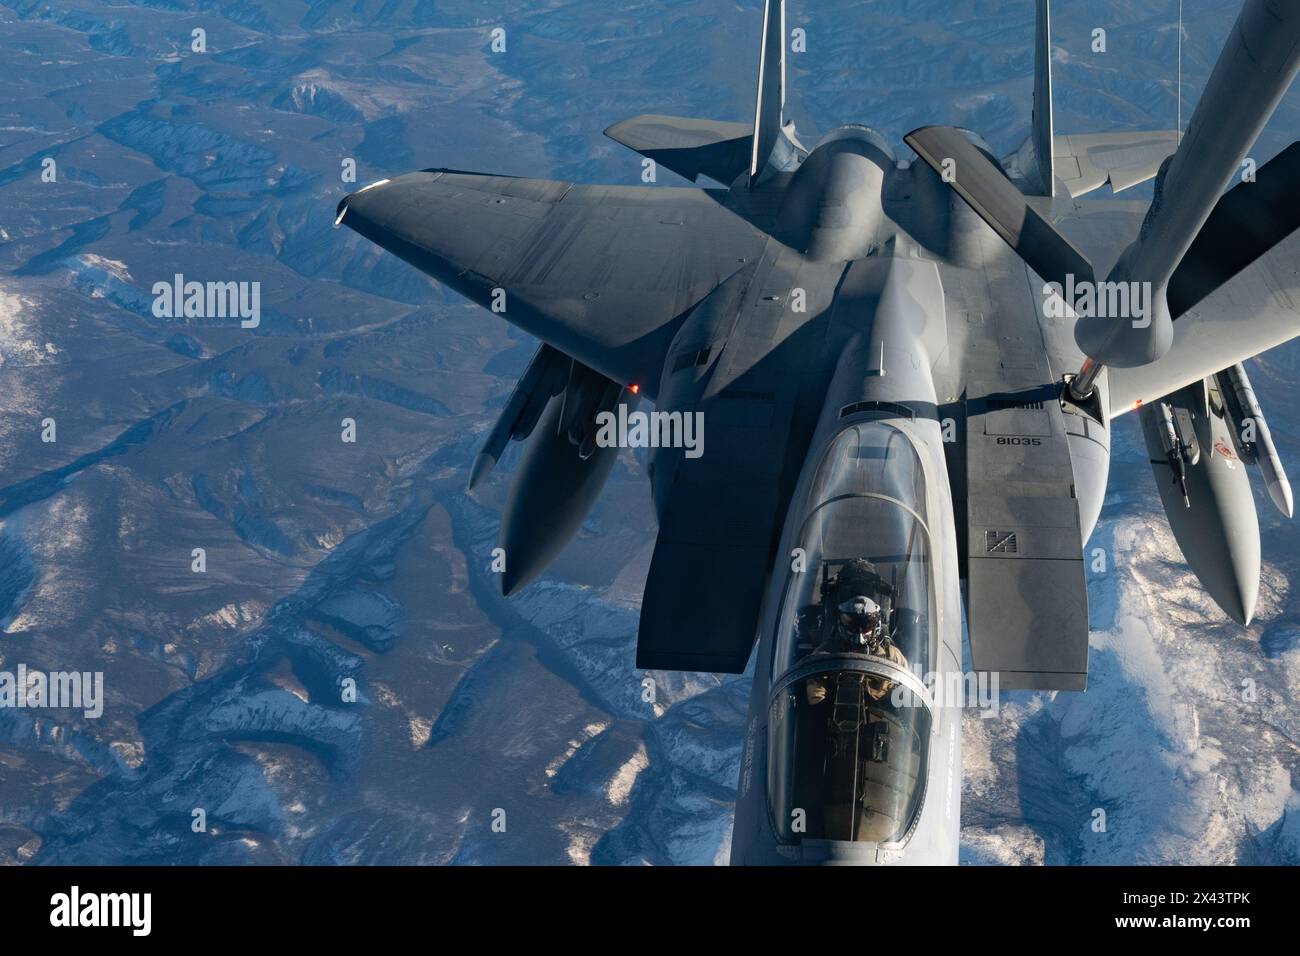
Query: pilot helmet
[{"x": 860, "y": 620}]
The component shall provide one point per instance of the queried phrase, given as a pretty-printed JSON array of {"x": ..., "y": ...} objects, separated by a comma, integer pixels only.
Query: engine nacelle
[{"x": 834, "y": 206}]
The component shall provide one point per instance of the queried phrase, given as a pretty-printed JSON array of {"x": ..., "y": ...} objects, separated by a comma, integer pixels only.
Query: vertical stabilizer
[
  {"x": 1041, "y": 133},
  {"x": 771, "y": 88}
]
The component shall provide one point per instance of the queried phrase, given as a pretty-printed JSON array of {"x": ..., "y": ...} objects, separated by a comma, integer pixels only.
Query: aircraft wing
[
  {"x": 598, "y": 272},
  {"x": 1087, "y": 161}
]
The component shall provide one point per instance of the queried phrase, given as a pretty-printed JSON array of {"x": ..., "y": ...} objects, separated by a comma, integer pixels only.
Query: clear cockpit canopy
[
  {"x": 846, "y": 758},
  {"x": 846, "y": 753},
  {"x": 865, "y": 537}
]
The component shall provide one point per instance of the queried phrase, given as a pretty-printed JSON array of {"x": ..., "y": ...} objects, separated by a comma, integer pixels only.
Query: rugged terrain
[{"x": 329, "y": 561}]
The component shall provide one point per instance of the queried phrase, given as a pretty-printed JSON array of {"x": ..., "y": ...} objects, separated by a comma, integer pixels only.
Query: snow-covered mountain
[{"x": 333, "y": 565}]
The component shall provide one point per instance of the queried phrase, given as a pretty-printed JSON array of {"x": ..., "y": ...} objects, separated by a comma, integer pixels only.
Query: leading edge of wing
[{"x": 598, "y": 272}]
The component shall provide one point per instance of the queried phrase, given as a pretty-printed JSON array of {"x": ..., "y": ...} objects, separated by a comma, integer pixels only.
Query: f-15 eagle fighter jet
[{"x": 907, "y": 371}]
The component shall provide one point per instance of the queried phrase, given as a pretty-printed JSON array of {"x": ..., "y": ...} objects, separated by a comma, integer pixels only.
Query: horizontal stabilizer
[
  {"x": 995, "y": 199},
  {"x": 1088, "y": 161},
  {"x": 689, "y": 147}
]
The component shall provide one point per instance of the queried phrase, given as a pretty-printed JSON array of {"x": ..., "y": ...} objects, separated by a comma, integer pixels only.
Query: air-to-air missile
[
  {"x": 554, "y": 408},
  {"x": 1251, "y": 435}
]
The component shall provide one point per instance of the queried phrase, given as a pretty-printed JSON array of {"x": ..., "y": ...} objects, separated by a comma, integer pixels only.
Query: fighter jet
[{"x": 906, "y": 365}]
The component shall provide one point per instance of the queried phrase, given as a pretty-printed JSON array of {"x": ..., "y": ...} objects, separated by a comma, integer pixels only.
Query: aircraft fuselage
[{"x": 858, "y": 334}]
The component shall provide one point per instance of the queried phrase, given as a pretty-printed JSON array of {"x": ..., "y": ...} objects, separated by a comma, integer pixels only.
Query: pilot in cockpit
[{"x": 860, "y": 627}]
